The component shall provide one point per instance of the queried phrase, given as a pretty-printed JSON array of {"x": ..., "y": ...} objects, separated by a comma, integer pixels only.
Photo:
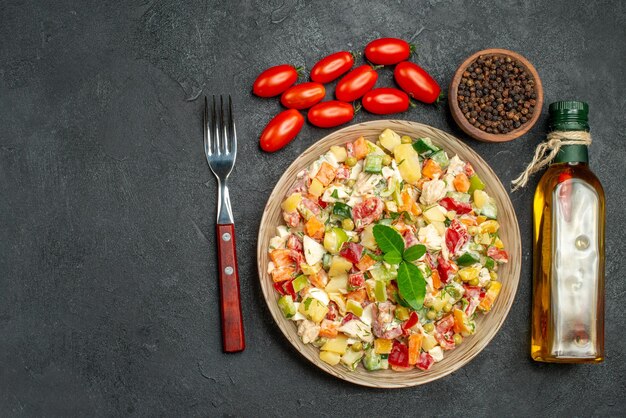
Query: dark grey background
[{"x": 108, "y": 290}]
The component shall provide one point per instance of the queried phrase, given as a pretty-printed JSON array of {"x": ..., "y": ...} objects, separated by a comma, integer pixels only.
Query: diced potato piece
[
  {"x": 340, "y": 153},
  {"x": 383, "y": 346},
  {"x": 480, "y": 198},
  {"x": 437, "y": 303},
  {"x": 313, "y": 309},
  {"x": 330, "y": 357},
  {"x": 434, "y": 214},
  {"x": 483, "y": 239},
  {"x": 316, "y": 188},
  {"x": 367, "y": 238},
  {"x": 337, "y": 345},
  {"x": 428, "y": 342},
  {"x": 339, "y": 266},
  {"x": 439, "y": 226},
  {"x": 490, "y": 296},
  {"x": 291, "y": 203},
  {"x": 389, "y": 139},
  {"x": 469, "y": 273},
  {"x": 337, "y": 284},
  {"x": 408, "y": 163}
]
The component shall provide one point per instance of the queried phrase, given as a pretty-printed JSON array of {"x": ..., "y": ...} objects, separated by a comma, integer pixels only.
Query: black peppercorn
[{"x": 497, "y": 94}]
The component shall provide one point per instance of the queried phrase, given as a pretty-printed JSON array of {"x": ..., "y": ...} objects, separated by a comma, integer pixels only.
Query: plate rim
[{"x": 350, "y": 376}]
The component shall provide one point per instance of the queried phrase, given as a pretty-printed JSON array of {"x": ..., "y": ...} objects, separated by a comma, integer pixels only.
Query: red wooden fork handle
[{"x": 232, "y": 322}]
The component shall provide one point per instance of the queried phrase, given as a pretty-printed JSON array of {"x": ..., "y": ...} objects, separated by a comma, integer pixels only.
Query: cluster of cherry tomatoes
[{"x": 356, "y": 84}]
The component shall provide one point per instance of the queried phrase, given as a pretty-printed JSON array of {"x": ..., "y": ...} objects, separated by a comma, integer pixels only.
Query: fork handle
[{"x": 230, "y": 303}]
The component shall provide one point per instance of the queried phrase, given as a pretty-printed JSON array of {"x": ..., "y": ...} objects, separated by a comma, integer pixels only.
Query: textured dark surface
[{"x": 108, "y": 289}]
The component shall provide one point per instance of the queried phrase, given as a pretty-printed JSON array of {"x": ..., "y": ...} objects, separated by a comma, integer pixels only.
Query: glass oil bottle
[{"x": 568, "y": 253}]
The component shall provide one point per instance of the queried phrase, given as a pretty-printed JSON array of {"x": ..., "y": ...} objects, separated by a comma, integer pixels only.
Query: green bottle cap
[{"x": 569, "y": 115}]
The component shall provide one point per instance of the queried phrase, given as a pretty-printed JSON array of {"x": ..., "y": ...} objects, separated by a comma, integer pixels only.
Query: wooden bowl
[
  {"x": 486, "y": 325},
  {"x": 470, "y": 129}
]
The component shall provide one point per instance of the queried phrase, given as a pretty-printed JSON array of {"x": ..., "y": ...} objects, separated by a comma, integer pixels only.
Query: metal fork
[{"x": 220, "y": 148}]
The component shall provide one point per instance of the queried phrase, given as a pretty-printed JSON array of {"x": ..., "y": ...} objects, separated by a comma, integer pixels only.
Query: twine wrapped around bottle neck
[{"x": 546, "y": 151}]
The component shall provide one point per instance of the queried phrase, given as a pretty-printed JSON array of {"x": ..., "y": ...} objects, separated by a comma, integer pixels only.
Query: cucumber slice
[
  {"x": 373, "y": 163},
  {"x": 441, "y": 158},
  {"x": 425, "y": 145}
]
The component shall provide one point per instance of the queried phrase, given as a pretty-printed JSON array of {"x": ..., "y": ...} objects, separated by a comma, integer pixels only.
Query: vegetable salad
[{"x": 388, "y": 252}]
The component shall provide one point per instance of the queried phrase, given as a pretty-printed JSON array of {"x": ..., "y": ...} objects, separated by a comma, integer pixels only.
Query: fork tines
[{"x": 220, "y": 137}]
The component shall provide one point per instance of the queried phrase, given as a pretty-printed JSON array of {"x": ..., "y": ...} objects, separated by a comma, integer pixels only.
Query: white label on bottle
[{"x": 575, "y": 268}]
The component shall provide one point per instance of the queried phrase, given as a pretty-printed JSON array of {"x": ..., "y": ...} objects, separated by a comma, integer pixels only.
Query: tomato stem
[
  {"x": 441, "y": 98},
  {"x": 412, "y": 49},
  {"x": 300, "y": 71},
  {"x": 357, "y": 107},
  {"x": 374, "y": 66}
]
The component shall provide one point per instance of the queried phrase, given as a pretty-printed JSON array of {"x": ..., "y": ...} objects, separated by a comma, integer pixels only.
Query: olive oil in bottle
[{"x": 568, "y": 252}]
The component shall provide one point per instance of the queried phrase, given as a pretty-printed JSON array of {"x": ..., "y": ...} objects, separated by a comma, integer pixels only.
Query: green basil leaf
[
  {"x": 393, "y": 257},
  {"x": 388, "y": 239},
  {"x": 411, "y": 285},
  {"x": 414, "y": 252}
]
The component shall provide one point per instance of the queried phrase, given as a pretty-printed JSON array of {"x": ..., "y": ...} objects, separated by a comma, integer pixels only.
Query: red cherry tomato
[
  {"x": 281, "y": 130},
  {"x": 388, "y": 51},
  {"x": 303, "y": 96},
  {"x": 329, "y": 68},
  {"x": 275, "y": 80},
  {"x": 416, "y": 82},
  {"x": 330, "y": 114},
  {"x": 385, "y": 100},
  {"x": 356, "y": 83}
]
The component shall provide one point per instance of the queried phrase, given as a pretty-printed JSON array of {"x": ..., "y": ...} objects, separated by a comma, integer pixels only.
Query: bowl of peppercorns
[{"x": 495, "y": 95}]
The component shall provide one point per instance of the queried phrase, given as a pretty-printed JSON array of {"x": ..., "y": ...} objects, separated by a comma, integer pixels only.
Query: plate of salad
[{"x": 389, "y": 254}]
